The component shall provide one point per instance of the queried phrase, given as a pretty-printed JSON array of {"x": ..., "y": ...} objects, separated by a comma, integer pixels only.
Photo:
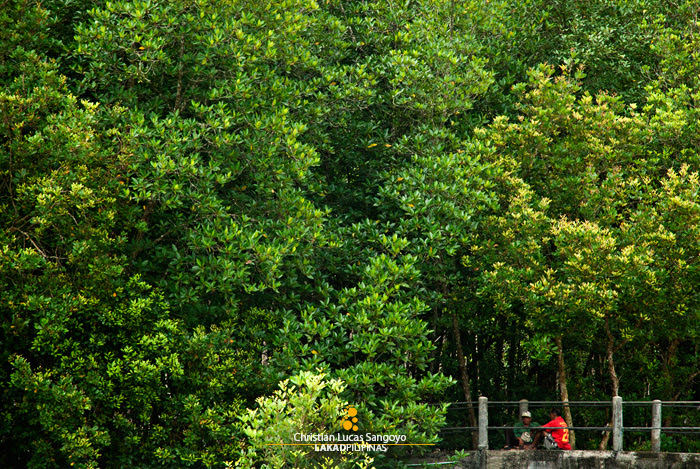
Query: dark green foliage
[{"x": 200, "y": 199}]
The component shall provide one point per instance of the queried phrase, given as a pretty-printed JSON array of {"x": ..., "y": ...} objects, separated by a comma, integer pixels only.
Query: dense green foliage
[{"x": 426, "y": 201}]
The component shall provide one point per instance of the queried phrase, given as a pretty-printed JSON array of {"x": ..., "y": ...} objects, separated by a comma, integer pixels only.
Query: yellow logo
[{"x": 350, "y": 418}]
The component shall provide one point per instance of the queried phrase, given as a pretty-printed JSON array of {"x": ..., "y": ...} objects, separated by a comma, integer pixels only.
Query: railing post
[
  {"x": 523, "y": 406},
  {"x": 617, "y": 423},
  {"x": 656, "y": 425},
  {"x": 483, "y": 423}
]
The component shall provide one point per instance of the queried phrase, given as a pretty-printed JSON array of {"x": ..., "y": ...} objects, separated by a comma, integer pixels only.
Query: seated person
[
  {"x": 559, "y": 433},
  {"x": 521, "y": 435}
]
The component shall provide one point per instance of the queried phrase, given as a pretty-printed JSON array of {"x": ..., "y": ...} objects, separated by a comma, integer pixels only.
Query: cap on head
[{"x": 526, "y": 414}]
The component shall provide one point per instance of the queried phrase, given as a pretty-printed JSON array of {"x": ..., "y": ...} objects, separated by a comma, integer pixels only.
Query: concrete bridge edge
[{"x": 577, "y": 459}]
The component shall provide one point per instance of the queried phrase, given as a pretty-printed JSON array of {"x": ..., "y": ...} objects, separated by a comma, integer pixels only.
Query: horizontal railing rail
[{"x": 617, "y": 427}]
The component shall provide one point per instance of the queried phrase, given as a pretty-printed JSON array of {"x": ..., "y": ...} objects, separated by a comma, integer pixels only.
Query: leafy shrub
[{"x": 309, "y": 405}]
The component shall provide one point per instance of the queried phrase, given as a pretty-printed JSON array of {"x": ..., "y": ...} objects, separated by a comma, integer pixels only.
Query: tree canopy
[{"x": 389, "y": 205}]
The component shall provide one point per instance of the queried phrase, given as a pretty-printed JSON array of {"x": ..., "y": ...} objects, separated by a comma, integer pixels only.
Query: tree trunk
[
  {"x": 500, "y": 353},
  {"x": 611, "y": 363},
  {"x": 465, "y": 381},
  {"x": 432, "y": 366},
  {"x": 614, "y": 379},
  {"x": 668, "y": 365},
  {"x": 512, "y": 363},
  {"x": 563, "y": 391},
  {"x": 606, "y": 437}
]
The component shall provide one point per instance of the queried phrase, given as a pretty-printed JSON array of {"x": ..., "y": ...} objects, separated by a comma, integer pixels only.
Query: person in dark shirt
[{"x": 522, "y": 434}]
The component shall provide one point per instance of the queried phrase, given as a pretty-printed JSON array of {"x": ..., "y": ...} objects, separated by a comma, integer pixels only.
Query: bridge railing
[{"x": 617, "y": 427}]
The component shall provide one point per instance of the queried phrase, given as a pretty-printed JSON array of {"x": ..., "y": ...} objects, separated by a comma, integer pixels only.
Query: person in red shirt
[{"x": 557, "y": 427}]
